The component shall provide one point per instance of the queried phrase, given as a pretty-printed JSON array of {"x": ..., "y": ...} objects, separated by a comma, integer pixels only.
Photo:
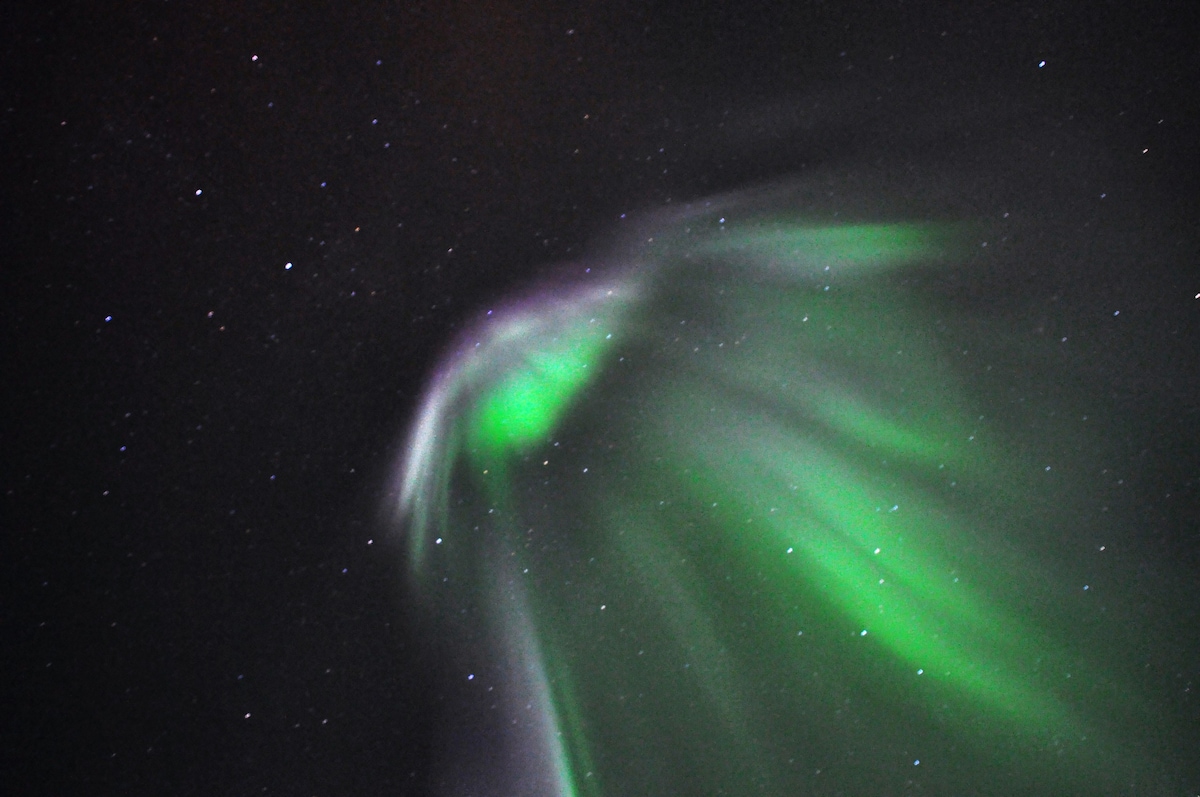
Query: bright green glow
[{"x": 527, "y": 403}]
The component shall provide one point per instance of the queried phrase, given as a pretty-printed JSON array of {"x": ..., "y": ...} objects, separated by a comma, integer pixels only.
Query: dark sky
[{"x": 237, "y": 236}]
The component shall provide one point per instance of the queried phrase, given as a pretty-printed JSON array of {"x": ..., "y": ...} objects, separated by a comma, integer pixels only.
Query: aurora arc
[{"x": 730, "y": 519}]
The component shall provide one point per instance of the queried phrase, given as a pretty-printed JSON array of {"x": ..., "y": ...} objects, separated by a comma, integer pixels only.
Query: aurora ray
[{"x": 729, "y": 515}]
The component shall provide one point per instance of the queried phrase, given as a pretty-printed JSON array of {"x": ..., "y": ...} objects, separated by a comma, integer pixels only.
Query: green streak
[
  {"x": 877, "y": 558},
  {"x": 861, "y": 246}
]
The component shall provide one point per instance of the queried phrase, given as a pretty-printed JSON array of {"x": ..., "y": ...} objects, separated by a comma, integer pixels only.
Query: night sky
[{"x": 238, "y": 236}]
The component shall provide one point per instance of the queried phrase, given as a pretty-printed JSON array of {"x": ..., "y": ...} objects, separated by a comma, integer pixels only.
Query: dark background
[{"x": 198, "y": 596}]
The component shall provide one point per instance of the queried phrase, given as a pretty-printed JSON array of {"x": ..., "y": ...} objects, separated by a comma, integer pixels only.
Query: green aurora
[{"x": 738, "y": 527}]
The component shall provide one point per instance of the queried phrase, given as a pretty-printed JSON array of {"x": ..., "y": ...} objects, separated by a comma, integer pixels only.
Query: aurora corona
[{"x": 724, "y": 519}]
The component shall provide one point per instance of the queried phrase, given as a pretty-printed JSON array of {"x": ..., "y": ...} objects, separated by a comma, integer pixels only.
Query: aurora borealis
[
  {"x": 728, "y": 520},
  {"x": 533, "y": 399}
]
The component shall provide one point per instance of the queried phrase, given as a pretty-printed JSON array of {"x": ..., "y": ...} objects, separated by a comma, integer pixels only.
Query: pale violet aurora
[{"x": 720, "y": 515}]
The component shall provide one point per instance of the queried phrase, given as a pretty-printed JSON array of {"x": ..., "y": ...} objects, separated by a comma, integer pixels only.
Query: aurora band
[{"x": 723, "y": 519}]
